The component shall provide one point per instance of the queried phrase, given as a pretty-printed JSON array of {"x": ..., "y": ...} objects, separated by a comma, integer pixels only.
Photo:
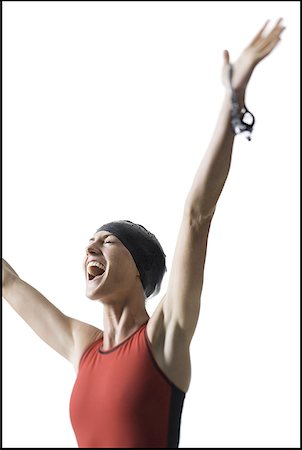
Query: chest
[
  {"x": 120, "y": 394},
  {"x": 123, "y": 399}
]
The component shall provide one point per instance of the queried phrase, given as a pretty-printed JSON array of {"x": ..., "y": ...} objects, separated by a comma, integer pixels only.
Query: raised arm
[
  {"x": 67, "y": 336},
  {"x": 215, "y": 165},
  {"x": 181, "y": 303}
]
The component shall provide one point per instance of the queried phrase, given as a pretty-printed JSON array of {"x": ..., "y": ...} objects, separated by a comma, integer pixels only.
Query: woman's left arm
[
  {"x": 215, "y": 165},
  {"x": 178, "y": 312}
]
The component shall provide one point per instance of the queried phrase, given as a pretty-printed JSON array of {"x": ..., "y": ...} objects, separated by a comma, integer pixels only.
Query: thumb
[{"x": 226, "y": 57}]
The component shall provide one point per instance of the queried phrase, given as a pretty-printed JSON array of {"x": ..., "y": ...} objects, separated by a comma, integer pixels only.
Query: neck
[{"x": 120, "y": 321}]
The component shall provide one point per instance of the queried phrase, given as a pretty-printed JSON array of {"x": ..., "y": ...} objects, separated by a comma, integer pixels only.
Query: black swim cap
[{"x": 146, "y": 251}]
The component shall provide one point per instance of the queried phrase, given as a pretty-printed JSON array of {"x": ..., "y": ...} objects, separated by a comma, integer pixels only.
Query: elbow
[{"x": 197, "y": 213}]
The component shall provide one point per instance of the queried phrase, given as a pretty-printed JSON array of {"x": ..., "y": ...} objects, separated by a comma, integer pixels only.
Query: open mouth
[
  {"x": 93, "y": 277},
  {"x": 95, "y": 270}
]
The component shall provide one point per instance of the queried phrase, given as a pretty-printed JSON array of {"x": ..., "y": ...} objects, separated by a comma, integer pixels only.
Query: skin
[
  {"x": 172, "y": 325},
  {"x": 259, "y": 48},
  {"x": 213, "y": 170},
  {"x": 119, "y": 290}
]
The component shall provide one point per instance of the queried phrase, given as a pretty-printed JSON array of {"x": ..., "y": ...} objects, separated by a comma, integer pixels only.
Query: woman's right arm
[{"x": 66, "y": 335}]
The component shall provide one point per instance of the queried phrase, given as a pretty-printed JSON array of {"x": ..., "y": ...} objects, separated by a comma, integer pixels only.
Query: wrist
[
  {"x": 240, "y": 97},
  {"x": 242, "y": 120}
]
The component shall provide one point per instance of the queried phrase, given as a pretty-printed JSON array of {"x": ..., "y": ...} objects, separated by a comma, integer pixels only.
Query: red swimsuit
[{"x": 121, "y": 398}]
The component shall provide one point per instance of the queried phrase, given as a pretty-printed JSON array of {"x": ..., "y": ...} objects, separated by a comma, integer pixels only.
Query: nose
[{"x": 93, "y": 249}]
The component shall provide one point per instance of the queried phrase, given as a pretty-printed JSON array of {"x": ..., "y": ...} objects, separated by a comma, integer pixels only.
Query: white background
[{"x": 108, "y": 108}]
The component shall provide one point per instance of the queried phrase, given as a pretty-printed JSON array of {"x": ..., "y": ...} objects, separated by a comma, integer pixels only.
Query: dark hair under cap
[{"x": 146, "y": 251}]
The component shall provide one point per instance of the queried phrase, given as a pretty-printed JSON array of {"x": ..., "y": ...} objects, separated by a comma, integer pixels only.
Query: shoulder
[{"x": 84, "y": 335}]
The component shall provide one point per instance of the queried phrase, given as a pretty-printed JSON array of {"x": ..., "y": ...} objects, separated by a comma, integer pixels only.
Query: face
[{"x": 120, "y": 269}]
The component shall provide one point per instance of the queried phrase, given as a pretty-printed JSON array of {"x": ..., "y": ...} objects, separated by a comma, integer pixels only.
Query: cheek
[
  {"x": 123, "y": 269},
  {"x": 129, "y": 270}
]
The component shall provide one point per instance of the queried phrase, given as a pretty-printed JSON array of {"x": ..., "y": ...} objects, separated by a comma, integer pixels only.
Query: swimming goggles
[{"x": 244, "y": 124}]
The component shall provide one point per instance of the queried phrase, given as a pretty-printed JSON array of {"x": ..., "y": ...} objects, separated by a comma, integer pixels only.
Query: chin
[{"x": 92, "y": 295}]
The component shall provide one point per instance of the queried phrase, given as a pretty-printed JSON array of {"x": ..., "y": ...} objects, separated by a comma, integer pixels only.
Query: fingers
[
  {"x": 269, "y": 47},
  {"x": 267, "y": 43},
  {"x": 276, "y": 31},
  {"x": 226, "y": 57},
  {"x": 278, "y": 22},
  {"x": 272, "y": 38},
  {"x": 258, "y": 35},
  {"x": 278, "y": 28}
]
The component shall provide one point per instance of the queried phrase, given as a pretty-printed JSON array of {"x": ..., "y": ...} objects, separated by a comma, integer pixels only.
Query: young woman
[{"x": 132, "y": 376}]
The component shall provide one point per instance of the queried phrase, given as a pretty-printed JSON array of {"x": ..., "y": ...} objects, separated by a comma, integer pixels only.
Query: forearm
[
  {"x": 215, "y": 165},
  {"x": 8, "y": 276}
]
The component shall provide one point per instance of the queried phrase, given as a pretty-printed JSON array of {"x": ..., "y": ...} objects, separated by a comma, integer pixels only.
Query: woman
[{"x": 132, "y": 376}]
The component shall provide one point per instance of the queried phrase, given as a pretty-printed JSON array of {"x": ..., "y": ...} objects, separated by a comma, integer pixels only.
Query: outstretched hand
[{"x": 260, "y": 46}]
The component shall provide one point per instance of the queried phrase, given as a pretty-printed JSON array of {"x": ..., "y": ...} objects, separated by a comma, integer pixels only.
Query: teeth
[
  {"x": 97, "y": 264},
  {"x": 94, "y": 268}
]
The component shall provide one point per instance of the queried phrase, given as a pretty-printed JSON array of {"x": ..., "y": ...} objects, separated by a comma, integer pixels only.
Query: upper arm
[
  {"x": 64, "y": 334},
  {"x": 181, "y": 304},
  {"x": 83, "y": 335}
]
